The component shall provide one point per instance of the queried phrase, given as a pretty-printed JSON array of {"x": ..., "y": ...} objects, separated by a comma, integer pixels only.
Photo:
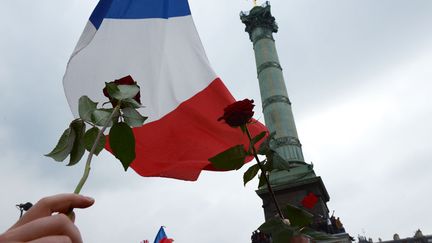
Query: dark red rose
[
  {"x": 310, "y": 200},
  {"x": 238, "y": 113},
  {"x": 128, "y": 80}
]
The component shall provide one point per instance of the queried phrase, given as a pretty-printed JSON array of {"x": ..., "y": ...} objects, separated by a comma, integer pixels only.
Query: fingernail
[{"x": 89, "y": 198}]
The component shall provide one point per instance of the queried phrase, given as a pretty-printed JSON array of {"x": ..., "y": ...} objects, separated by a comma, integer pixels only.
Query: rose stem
[
  {"x": 90, "y": 156},
  {"x": 263, "y": 173}
]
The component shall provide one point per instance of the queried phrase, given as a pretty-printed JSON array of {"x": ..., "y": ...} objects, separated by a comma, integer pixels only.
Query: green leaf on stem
[
  {"x": 258, "y": 138},
  {"x": 100, "y": 117},
  {"x": 131, "y": 103},
  {"x": 78, "y": 149},
  {"x": 255, "y": 140},
  {"x": 262, "y": 181},
  {"x": 122, "y": 142},
  {"x": 230, "y": 159},
  {"x": 280, "y": 231},
  {"x": 64, "y": 145},
  {"x": 297, "y": 216},
  {"x": 132, "y": 117},
  {"x": 111, "y": 88},
  {"x": 127, "y": 91},
  {"x": 268, "y": 165},
  {"x": 86, "y": 107},
  {"x": 264, "y": 148},
  {"x": 270, "y": 225},
  {"x": 282, "y": 235},
  {"x": 243, "y": 128},
  {"x": 279, "y": 162},
  {"x": 250, "y": 173},
  {"x": 121, "y": 92},
  {"x": 90, "y": 138}
]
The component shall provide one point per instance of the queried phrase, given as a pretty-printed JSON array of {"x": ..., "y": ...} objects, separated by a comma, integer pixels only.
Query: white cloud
[{"x": 371, "y": 147}]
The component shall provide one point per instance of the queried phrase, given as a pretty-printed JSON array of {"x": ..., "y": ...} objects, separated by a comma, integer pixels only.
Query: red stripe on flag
[
  {"x": 179, "y": 144},
  {"x": 166, "y": 240}
]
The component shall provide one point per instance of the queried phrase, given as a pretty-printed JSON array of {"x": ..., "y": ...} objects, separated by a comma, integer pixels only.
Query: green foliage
[
  {"x": 296, "y": 224},
  {"x": 264, "y": 147},
  {"x": 258, "y": 138},
  {"x": 121, "y": 92},
  {"x": 129, "y": 102},
  {"x": 262, "y": 180},
  {"x": 275, "y": 161},
  {"x": 250, "y": 173},
  {"x": 111, "y": 88},
  {"x": 100, "y": 117},
  {"x": 268, "y": 165},
  {"x": 297, "y": 216},
  {"x": 280, "y": 231},
  {"x": 255, "y": 140},
  {"x": 132, "y": 117},
  {"x": 70, "y": 143},
  {"x": 64, "y": 146},
  {"x": 278, "y": 162},
  {"x": 86, "y": 107},
  {"x": 78, "y": 149},
  {"x": 230, "y": 159},
  {"x": 90, "y": 138},
  {"x": 75, "y": 140},
  {"x": 243, "y": 128},
  {"x": 122, "y": 143}
]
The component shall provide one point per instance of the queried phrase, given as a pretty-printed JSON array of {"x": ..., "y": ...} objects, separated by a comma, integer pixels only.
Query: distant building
[{"x": 417, "y": 238}]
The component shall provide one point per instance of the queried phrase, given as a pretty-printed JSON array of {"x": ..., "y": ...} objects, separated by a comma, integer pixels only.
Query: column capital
[{"x": 259, "y": 16}]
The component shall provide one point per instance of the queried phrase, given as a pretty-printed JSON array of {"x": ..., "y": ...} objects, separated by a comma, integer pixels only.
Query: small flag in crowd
[{"x": 161, "y": 237}]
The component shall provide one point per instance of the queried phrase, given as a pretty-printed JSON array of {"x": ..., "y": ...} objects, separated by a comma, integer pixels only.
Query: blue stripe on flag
[
  {"x": 138, "y": 9},
  {"x": 160, "y": 235},
  {"x": 100, "y": 12}
]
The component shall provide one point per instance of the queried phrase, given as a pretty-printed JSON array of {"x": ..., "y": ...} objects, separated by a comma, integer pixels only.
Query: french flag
[{"x": 156, "y": 42}]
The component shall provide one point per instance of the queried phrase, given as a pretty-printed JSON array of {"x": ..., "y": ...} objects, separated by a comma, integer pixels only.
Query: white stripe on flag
[{"x": 165, "y": 57}]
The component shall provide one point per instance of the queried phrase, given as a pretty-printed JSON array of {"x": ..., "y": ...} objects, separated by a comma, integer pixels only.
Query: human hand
[{"x": 41, "y": 224}]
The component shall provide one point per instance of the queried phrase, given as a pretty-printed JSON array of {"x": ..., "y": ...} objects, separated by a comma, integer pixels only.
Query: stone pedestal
[{"x": 293, "y": 194}]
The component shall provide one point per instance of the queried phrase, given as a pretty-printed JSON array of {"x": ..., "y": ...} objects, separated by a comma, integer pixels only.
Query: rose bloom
[
  {"x": 238, "y": 113},
  {"x": 310, "y": 200},
  {"x": 128, "y": 80}
]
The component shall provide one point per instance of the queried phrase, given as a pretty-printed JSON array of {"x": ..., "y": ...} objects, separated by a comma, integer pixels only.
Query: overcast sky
[{"x": 359, "y": 77}]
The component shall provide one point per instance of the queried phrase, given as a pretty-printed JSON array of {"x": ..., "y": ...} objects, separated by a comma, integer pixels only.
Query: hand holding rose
[{"x": 41, "y": 224}]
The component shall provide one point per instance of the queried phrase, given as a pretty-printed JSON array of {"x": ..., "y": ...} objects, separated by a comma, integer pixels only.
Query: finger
[
  {"x": 53, "y": 239},
  {"x": 55, "y": 225},
  {"x": 61, "y": 203}
]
